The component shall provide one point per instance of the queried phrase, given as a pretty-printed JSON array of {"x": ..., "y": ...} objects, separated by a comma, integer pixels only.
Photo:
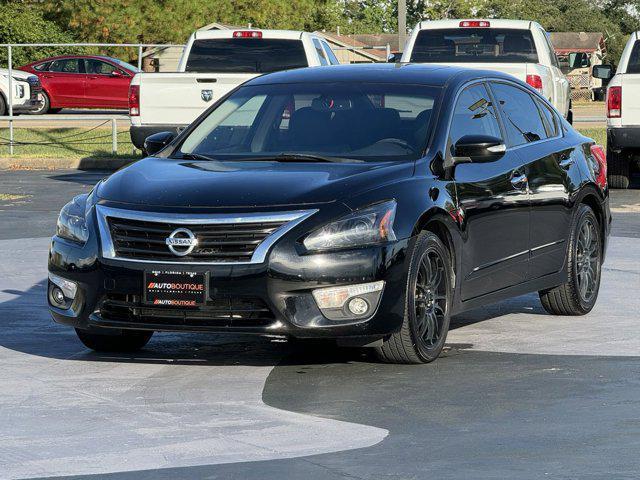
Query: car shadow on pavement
[{"x": 28, "y": 328}]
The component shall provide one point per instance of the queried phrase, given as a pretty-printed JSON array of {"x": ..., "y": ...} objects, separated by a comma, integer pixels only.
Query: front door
[
  {"x": 493, "y": 201},
  {"x": 107, "y": 85}
]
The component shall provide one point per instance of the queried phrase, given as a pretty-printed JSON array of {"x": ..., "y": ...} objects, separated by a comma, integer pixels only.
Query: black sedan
[{"x": 365, "y": 204}]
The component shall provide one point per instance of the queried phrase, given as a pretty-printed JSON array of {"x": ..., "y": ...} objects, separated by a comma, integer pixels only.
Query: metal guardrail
[{"x": 11, "y": 46}]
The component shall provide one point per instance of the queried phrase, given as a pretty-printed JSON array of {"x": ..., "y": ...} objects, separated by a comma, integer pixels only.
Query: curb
[{"x": 64, "y": 163}]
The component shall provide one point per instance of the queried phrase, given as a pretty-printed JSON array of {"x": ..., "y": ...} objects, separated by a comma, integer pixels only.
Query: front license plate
[{"x": 175, "y": 289}]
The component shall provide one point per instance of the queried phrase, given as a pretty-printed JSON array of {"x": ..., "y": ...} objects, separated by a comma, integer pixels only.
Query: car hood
[
  {"x": 15, "y": 73},
  {"x": 156, "y": 182}
]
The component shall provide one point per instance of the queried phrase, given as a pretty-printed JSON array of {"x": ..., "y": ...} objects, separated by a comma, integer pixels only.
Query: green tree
[{"x": 24, "y": 23}]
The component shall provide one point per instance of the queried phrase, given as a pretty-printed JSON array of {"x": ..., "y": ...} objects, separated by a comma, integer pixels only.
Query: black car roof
[{"x": 410, "y": 73}]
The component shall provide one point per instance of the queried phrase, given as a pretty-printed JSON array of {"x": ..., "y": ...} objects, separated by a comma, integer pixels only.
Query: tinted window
[
  {"x": 98, "y": 67},
  {"x": 549, "y": 118},
  {"x": 330, "y": 55},
  {"x": 634, "y": 59},
  {"x": 523, "y": 122},
  {"x": 245, "y": 55},
  {"x": 71, "y": 65},
  {"x": 474, "y": 115},
  {"x": 42, "y": 67},
  {"x": 362, "y": 121},
  {"x": 320, "y": 52},
  {"x": 501, "y": 45}
]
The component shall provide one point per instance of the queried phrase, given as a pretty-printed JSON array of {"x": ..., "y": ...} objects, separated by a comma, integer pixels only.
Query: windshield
[
  {"x": 355, "y": 121},
  {"x": 245, "y": 55},
  {"x": 495, "y": 45}
]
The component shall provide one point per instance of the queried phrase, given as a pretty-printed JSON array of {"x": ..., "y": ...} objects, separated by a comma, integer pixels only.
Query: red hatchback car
[{"x": 82, "y": 81}]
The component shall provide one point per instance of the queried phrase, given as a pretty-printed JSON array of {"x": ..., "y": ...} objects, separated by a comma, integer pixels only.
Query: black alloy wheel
[{"x": 424, "y": 329}]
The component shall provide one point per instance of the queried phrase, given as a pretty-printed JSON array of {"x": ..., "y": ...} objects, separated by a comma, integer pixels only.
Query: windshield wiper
[
  {"x": 195, "y": 156},
  {"x": 305, "y": 157}
]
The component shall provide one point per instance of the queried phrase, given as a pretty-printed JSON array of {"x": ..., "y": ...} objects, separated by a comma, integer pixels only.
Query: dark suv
[{"x": 366, "y": 204}]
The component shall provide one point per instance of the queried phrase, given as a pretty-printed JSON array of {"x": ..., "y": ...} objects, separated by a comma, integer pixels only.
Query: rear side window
[
  {"x": 549, "y": 118},
  {"x": 634, "y": 60},
  {"x": 245, "y": 55},
  {"x": 498, "y": 45},
  {"x": 320, "y": 52},
  {"x": 474, "y": 115},
  {"x": 42, "y": 67},
  {"x": 522, "y": 118},
  {"x": 333, "y": 60},
  {"x": 70, "y": 65}
]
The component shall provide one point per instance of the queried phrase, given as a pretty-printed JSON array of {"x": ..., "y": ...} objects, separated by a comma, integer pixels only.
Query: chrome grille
[{"x": 221, "y": 238}]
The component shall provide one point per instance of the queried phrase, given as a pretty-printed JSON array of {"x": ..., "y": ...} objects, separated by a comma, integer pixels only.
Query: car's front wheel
[
  {"x": 427, "y": 305},
  {"x": 584, "y": 261},
  {"x": 45, "y": 105},
  {"x": 126, "y": 341}
]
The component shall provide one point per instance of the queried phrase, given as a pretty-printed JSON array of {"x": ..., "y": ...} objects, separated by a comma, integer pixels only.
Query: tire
[
  {"x": 570, "y": 114},
  {"x": 618, "y": 170},
  {"x": 424, "y": 328},
  {"x": 127, "y": 341},
  {"x": 578, "y": 295},
  {"x": 46, "y": 105},
  {"x": 3, "y": 106}
]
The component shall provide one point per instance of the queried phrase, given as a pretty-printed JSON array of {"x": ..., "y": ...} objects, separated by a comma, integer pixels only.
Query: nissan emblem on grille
[
  {"x": 181, "y": 242},
  {"x": 206, "y": 95}
]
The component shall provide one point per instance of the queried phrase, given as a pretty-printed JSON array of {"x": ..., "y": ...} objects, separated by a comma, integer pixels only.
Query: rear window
[
  {"x": 245, "y": 55},
  {"x": 496, "y": 45},
  {"x": 634, "y": 59}
]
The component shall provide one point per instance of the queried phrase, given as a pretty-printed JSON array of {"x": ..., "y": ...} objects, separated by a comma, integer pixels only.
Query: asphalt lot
[{"x": 517, "y": 394}]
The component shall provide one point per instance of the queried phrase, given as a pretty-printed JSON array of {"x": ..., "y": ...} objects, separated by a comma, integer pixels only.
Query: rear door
[
  {"x": 106, "y": 86},
  {"x": 494, "y": 202},
  {"x": 631, "y": 88},
  {"x": 65, "y": 81},
  {"x": 535, "y": 134}
]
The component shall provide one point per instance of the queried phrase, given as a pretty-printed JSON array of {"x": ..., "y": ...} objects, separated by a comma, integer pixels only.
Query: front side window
[
  {"x": 474, "y": 115},
  {"x": 368, "y": 122},
  {"x": 245, "y": 55},
  {"x": 492, "y": 45},
  {"x": 98, "y": 67},
  {"x": 522, "y": 118}
]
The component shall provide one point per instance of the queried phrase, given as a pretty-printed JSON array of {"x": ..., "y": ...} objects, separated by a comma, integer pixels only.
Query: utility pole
[{"x": 402, "y": 23}]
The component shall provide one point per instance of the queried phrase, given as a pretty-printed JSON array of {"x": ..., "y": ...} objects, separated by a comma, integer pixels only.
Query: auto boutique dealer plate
[{"x": 175, "y": 289}]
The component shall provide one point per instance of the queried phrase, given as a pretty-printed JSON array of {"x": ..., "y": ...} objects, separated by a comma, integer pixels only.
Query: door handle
[
  {"x": 565, "y": 160},
  {"x": 519, "y": 180}
]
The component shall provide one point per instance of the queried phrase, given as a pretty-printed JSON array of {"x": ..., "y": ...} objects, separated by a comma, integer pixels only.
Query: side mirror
[
  {"x": 393, "y": 58},
  {"x": 478, "y": 149},
  {"x": 604, "y": 72},
  {"x": 156, "y": 142}
]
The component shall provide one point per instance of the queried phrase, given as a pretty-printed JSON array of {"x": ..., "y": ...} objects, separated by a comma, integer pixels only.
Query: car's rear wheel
[
  {"x": 126, "y": 341},
  {"x": 584, "y": 260},
  {"x": 427, "y": 304},
  {"x": 618, "y": 169},
  {"x": 44, "y": 106}
]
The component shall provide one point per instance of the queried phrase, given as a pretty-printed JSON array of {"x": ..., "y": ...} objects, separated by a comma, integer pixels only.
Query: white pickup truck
[
  {"x": 623, "y": 113},
  {"x": 26, "y": 92},
  {"x": 213, "y": 63},
  {"x": 519, "y": 47}
]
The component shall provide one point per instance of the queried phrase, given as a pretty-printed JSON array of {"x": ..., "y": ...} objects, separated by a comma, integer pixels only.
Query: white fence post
[
  {"x": 114, "y": 136},
  {"x": 140, "y": 57},
  {"x": 10, "y": 99}
]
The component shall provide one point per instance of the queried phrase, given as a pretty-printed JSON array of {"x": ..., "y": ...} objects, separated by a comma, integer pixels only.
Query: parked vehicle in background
[
  {"x": 623, "y": 113},
  {"x": 26, "y": 94},
  {"x": 82, "y": 81},
  {"x": 213, "y": 63},
  {"x": 518, "y": 47},
  {"x": 364, "y": 203}
]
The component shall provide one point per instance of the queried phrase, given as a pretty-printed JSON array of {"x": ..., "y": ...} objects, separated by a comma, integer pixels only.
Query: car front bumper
[{"x": 273, "y": 297}]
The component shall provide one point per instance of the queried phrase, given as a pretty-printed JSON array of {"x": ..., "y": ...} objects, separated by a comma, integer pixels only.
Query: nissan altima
[{"x": 365, "y": 204}]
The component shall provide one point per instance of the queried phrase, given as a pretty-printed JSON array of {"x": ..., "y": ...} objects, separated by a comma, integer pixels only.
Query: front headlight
[
  {"x": 367, "y": 226},
  {"x": 71, "y": 221}
]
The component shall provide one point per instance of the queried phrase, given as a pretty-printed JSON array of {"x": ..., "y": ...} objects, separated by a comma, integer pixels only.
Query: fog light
[
  {"x": 358, "y": 306},
  {"x": 67, "y": 287},
  {"x": 350, "y": 301},
  {"x": 57, "y": 296}
]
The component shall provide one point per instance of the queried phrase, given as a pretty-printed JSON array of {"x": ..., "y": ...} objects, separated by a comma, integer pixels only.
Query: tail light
[
  {"x": 601, "y": 157},
  {"x": 247, "y": 34},
  {"x": 474, "y": 24},
  {"x": 535, "y": 81},
  {"x": 614, "y": 102},
  {"x": 134, "y": 100}
]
